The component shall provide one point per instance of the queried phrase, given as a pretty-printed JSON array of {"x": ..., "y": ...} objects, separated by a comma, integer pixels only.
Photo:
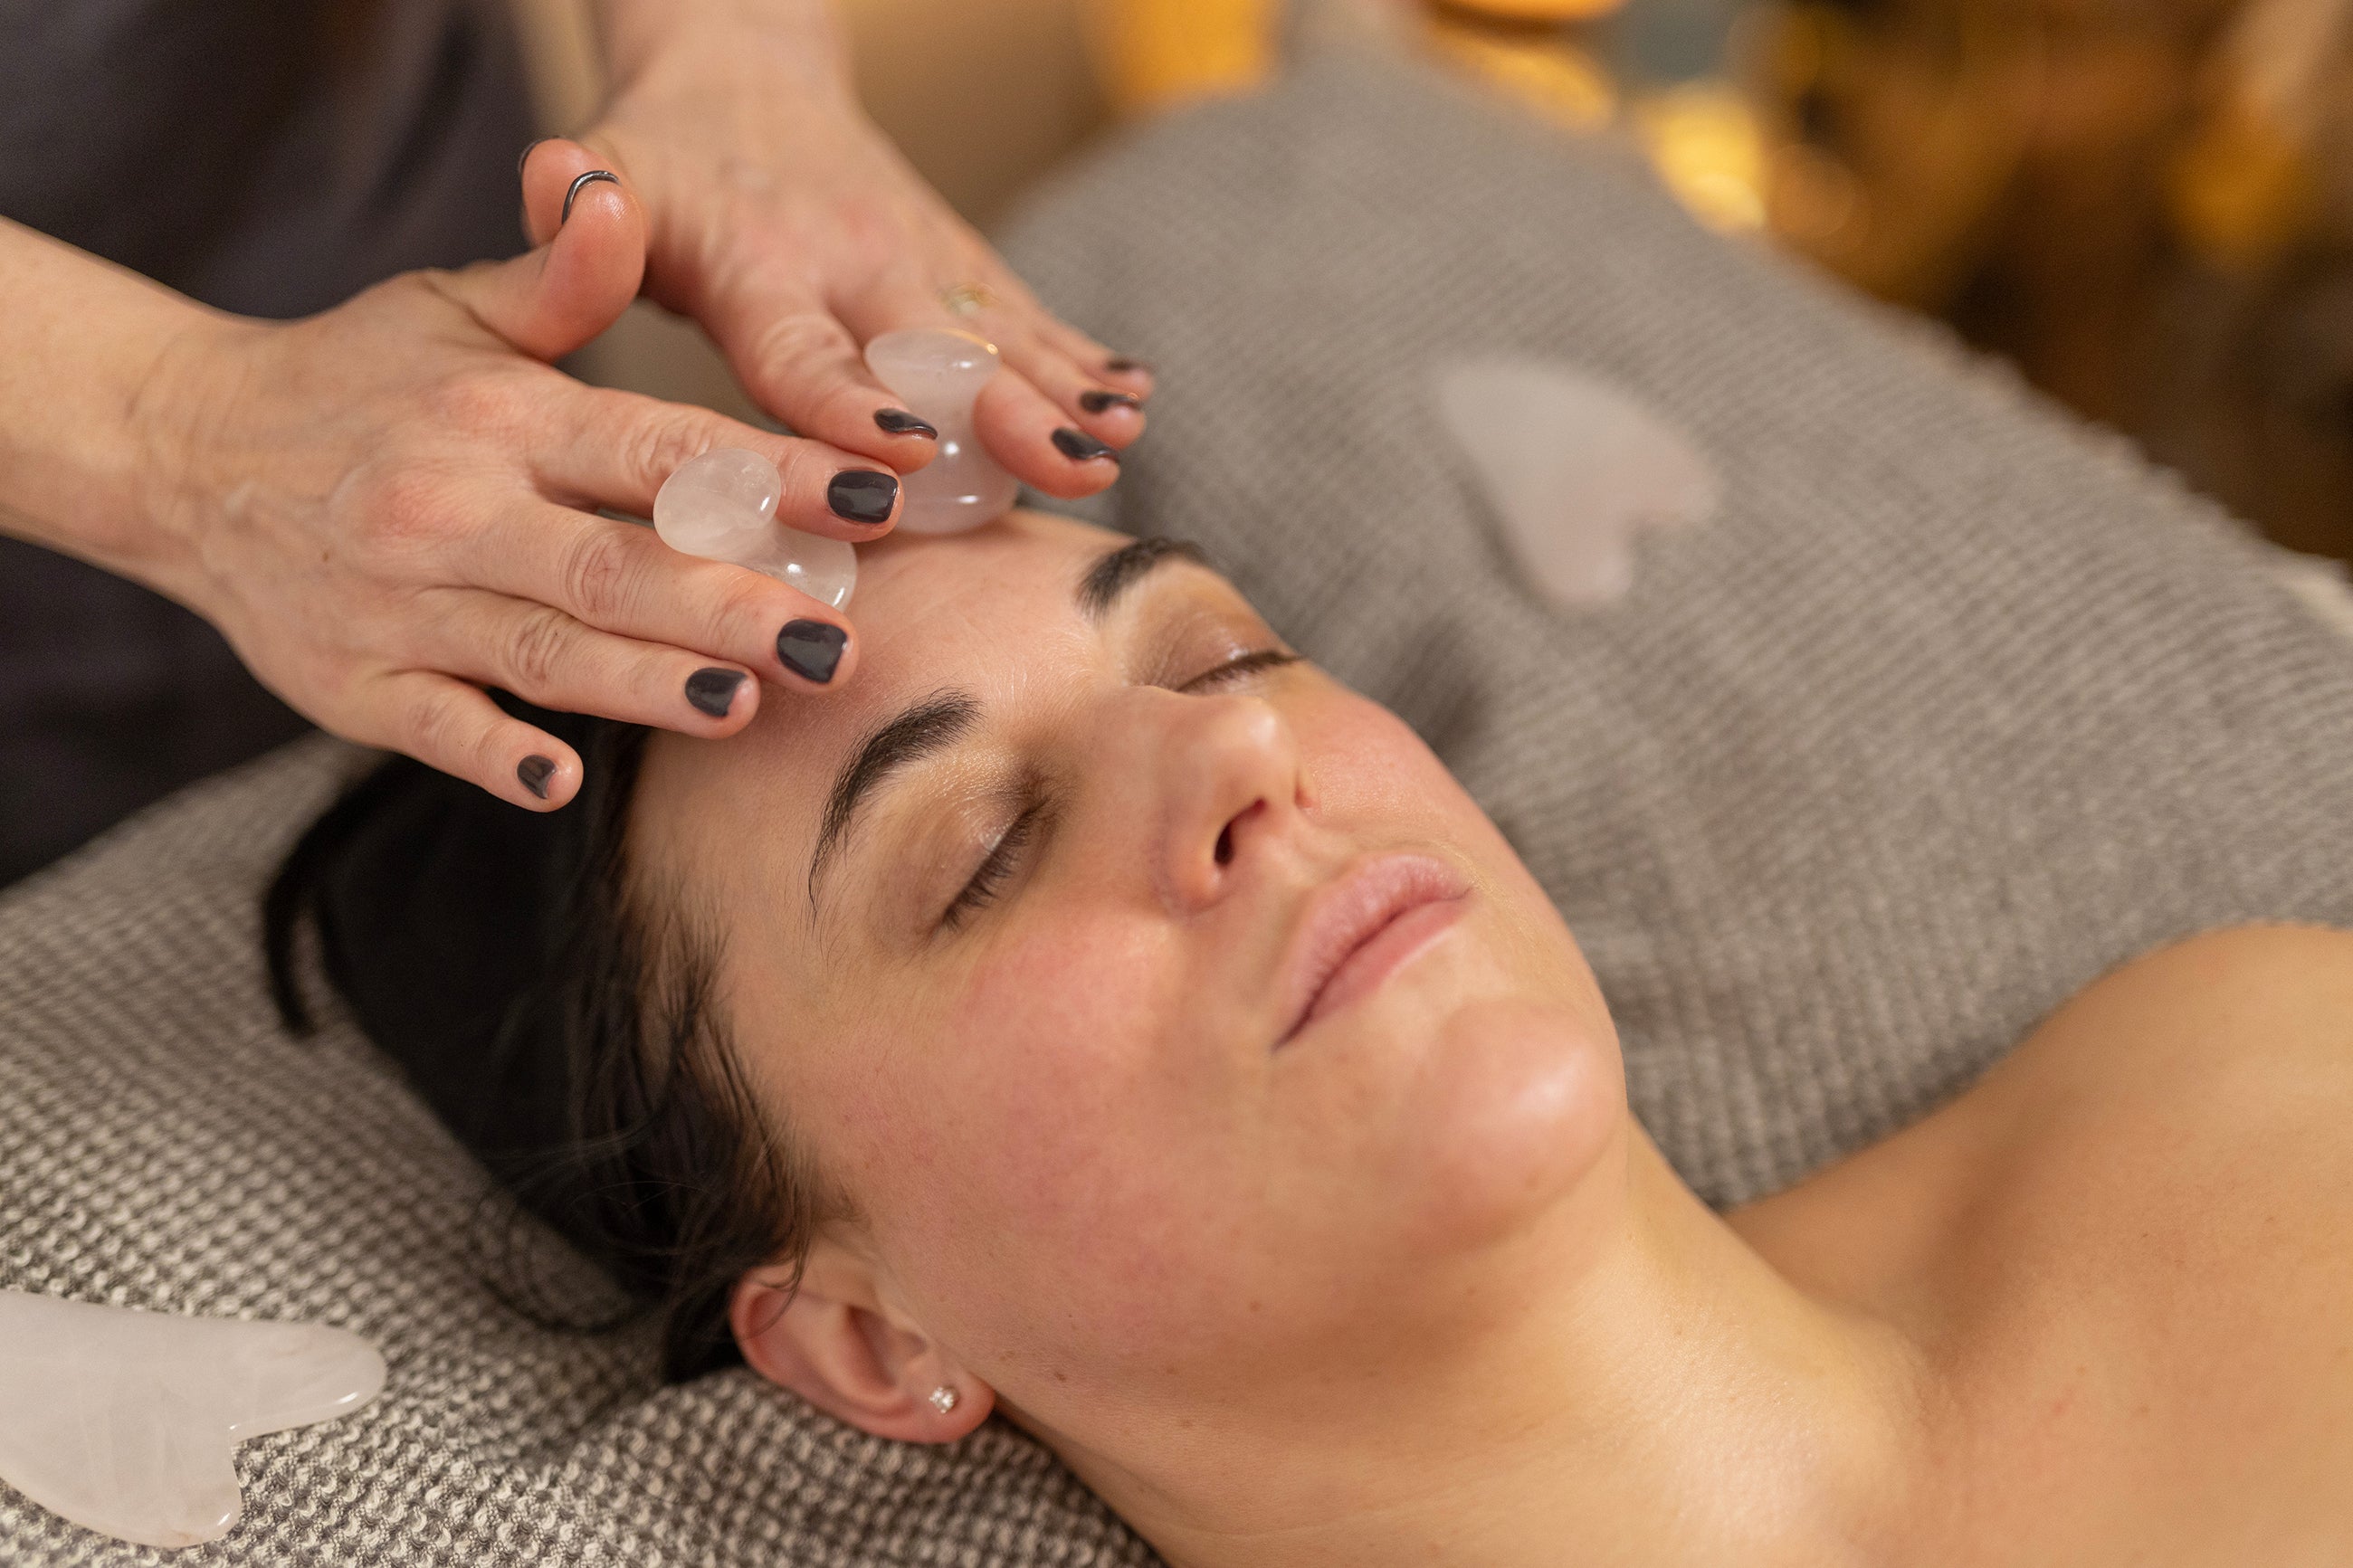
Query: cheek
[
  {"x": 1364, "y": 762},
  {"x": 1058, "y": 1137},
  {"x": 1369, "y": 771}
]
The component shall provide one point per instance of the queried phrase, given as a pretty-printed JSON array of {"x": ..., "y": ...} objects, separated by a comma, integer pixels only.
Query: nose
[{"x": 1231, "y": 790}]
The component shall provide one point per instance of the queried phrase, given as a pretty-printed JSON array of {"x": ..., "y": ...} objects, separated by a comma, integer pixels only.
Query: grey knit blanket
[{"x": 1952, "y": 708}]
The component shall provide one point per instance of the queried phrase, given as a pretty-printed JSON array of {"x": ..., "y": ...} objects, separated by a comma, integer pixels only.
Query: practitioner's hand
[
  {"x": 391, "y": 506},
  {"x": 784, "y": 223}
]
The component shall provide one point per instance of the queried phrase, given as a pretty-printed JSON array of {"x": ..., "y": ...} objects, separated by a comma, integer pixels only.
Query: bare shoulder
[
  {"x": 2247, "y": 964},
  {"x": 2249, "y": 1000},
  {"x": 2186, "y": 1049},
  {"x": 2163, "y": 1199},
  {"x": 2198, "y": 1094},
  {"x": 2229, "y": 1052},
  {"x": 2173, "y": 1139}
]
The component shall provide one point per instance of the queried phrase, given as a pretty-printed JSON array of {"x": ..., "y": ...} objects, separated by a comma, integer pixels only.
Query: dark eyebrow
[
  {"x": 937, "y": 723},
  {"x": 942, "y": 719},
  {"x": 1123, "y": 568}
]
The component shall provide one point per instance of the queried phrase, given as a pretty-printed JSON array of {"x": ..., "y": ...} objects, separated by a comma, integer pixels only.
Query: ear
[{"x": 834, "y": 1342}]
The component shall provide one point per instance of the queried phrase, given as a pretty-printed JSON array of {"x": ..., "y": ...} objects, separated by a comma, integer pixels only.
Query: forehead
[
  {"x": 991, "y": 611},
  {"x": 972, "y": 610},
  {"x": 918, "y": 599}
]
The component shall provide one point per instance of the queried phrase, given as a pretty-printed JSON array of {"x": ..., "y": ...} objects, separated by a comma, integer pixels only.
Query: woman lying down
[{"x": 1099, "y": 1016}]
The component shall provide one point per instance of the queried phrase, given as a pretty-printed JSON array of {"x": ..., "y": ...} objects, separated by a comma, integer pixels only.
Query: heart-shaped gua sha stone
[
  {"x": 939, "y": 377},
  {"x": 1575, "y": 468},
  {"x": 126, "y": 1421},
  {"x": 722, "y": 506}
]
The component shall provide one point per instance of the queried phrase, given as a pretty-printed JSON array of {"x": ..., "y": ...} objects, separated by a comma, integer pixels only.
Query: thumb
[{"x": 550, "y": 301}]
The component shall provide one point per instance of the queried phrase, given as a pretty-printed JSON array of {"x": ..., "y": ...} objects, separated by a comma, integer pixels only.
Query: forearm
[{"x": 81, "y": 342}]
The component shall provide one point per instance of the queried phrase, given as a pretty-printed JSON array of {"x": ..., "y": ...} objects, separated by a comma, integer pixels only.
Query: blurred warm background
[{"x": 2145, "y": 204}]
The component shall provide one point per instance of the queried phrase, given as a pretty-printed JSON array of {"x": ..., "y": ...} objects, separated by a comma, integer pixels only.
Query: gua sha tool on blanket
[
  {"x": 127, "y": 1422},
  {"x": 938, "y": 375},
  {"x": 1575, "y": 468},
  {"x": 723, "y": 506}
]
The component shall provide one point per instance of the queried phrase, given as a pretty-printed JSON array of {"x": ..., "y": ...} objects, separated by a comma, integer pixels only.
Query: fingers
[
  {"x": 620, "y": 447},
  {"x": 554, "y": 659},
  {"x": 800, "y": 363},
  {"x": 1086, "y": 399},
  {"x": 450, "y": 725},
  {"x": 555, "y": 298},
  {"x": 546, "y": 657},
  {"x": 620, "y": 578},
  {"x": 1059, "y": 419},
  {"x": 1051, "y": 349},
  {"x": 804, "y": 364},
  {"x": 1040, "y": 444},
  {"x": 553, "y": 171},
  {"x": 1122, "y": 371}
]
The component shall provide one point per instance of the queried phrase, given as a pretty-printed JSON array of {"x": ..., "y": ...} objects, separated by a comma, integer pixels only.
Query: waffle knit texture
[{"x": 1952, "y": 709}]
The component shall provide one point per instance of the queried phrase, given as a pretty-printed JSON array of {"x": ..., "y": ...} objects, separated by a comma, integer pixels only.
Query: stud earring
[{"x": 944, "y": 1400}]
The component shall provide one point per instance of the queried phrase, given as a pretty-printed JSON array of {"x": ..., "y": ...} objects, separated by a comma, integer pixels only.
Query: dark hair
[{"x": 556, "y": 1011}]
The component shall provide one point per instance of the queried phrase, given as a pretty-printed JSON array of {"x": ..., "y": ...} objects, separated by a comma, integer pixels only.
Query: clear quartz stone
[
  {"x": 938, "y": 375},
  {"x": 128, "y": 1421},
  {"x": 1578, "y": 470},
  {"x": 723, "y": 506}
]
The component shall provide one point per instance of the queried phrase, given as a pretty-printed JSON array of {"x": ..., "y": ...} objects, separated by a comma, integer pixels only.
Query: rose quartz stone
[{"x": 127, "y": 1422}]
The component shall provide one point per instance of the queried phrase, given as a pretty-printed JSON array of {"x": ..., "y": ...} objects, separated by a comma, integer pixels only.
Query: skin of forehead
[
  {"x": 987, "y": 611},
  {"x": 955, "y": 613}
]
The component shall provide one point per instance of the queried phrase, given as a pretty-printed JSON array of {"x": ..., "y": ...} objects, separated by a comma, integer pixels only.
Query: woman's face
[{"x": 1029, "y": 942}]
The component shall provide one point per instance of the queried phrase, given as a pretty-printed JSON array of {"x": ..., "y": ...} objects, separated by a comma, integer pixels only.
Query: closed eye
[
  {"x": 1235, "y": 670},
  {"x": 1004, "y": 857},
  {"x": 995, "y": 867}
]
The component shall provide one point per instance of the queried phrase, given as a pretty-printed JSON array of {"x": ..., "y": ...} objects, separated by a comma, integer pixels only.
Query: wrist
[
  {"x": 174, "y": 430},
  {"x": 85, "y": 342}
]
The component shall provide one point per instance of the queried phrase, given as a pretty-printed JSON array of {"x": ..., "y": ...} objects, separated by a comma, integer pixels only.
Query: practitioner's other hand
[
  {"x": 391, "y": 506},
  {"x": 785, "y": 222}
]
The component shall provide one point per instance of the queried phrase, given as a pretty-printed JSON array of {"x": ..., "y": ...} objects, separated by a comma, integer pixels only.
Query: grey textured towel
[{"x": 1951, "y": 710}]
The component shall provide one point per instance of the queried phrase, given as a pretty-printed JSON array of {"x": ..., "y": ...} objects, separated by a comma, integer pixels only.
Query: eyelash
[
  {"x": 1237, "y": 667},
  {"x": 982, "y": 891},
  {"x": 988, "y": 879}
]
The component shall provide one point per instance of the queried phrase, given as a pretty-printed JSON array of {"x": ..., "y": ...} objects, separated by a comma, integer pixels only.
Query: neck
[{"x": 1671, "y": 1399}]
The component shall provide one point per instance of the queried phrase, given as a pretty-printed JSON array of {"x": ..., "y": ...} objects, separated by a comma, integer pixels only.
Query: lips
[{"x": 1362, "y": 928}]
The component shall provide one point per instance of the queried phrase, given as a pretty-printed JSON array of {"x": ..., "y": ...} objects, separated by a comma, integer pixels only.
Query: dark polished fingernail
[
  {"x": 1096, "y": 400},
  {"x": 811, "y": 649},
  {"x": 1124, "y": 365},
  {"x": 573, "y": 194},
  {"x": 713, "y": 691},
  {"x": 1082, "y": 448},
  {"x": 863, "y": 496},
  {"x": 534, "y": 772},
  {"x": 899, "y": 422},
  {"x": 525, "y": 157}
]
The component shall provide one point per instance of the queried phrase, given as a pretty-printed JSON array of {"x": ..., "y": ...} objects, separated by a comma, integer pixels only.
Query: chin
[
  {"x": 1519, "y": 1106},
  {"x": 1477, "y": 1092}
]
